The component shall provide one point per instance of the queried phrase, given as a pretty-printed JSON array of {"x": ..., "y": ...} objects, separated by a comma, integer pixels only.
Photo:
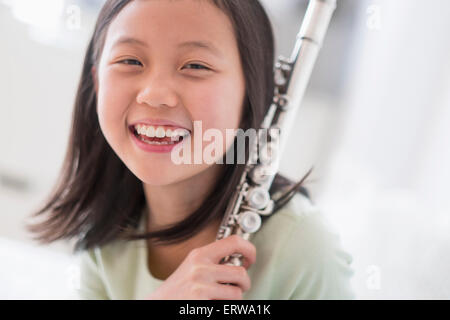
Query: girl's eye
[
  {"x": 197, "y": 66},
  {"x": 131, "y": 62}
]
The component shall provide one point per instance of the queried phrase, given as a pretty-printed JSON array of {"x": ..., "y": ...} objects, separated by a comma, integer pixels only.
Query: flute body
[{"x": 251, "y": 199}]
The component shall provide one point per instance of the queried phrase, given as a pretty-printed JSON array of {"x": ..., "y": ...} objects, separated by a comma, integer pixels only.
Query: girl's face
[{"x": 170, "y": 60}]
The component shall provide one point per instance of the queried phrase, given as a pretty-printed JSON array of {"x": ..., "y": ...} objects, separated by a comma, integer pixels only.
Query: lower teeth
[{"x": 158, "y": 143}]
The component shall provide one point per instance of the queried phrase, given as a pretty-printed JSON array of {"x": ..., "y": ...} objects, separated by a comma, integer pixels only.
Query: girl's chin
[
  {"x": 169, "y": 175},
  {"x": 158, "y": 179},
  {"x": 161, "y": 176}
]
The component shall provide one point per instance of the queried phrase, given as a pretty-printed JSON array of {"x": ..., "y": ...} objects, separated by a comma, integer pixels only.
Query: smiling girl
[{"x": 145, "y": 226}]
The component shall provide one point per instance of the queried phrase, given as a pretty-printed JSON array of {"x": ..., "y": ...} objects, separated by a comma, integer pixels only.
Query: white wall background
[
  {"x": 387, "y": 182},
  {"x": 375, "y": 124}
]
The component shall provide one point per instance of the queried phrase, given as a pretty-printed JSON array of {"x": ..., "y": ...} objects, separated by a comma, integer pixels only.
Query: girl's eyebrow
[
  {"x": 129, "y": 40},
  {"x": 193, "y": 44},
  {"x": 202, "y": 45}
]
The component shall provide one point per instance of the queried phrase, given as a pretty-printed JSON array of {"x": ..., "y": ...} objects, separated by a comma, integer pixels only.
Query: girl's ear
[{"x": 94, "y": 78}]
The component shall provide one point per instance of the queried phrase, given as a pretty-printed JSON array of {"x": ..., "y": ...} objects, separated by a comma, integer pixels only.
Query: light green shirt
[{"x": 298, "y": 256}]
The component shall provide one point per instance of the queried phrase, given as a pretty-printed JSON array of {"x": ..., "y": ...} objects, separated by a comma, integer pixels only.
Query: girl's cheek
[
  {"x": 218, "y": 110},
  {"x": 109, "y": 88},
  {"x": 112, "y": 108},
  {"x": 218, "y": 105}
]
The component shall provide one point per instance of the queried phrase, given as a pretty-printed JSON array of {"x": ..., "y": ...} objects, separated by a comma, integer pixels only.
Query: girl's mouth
[{"x": 158, "y": 139}]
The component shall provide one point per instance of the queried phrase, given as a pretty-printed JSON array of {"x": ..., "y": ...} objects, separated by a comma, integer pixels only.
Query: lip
[
  {"x": 154, "y": 148},
  {"x": 160, "y": 122}
]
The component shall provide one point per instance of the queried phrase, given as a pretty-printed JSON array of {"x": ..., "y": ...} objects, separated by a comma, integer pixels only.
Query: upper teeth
[{"x": 160, "y": 132}]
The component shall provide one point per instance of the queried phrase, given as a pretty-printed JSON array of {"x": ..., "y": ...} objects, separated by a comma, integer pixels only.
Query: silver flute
[{"x": 251, "y": 199}]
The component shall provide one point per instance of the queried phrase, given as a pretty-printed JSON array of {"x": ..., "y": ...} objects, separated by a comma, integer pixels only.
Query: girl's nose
[{"x": 157, "y": 93}]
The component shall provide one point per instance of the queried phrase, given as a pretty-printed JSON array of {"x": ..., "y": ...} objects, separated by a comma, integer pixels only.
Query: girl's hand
[{"x": 201, "y": 277}]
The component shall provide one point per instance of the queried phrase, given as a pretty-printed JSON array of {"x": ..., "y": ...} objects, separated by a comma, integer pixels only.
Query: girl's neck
[{"x": 170, "y": 204}]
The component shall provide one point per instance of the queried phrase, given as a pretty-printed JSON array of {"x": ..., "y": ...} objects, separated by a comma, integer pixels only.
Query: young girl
[{"x": 145, "y": 226}]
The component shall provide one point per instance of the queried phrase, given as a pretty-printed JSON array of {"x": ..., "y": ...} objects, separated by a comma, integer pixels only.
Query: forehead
[{"x": 188, "y": 23}]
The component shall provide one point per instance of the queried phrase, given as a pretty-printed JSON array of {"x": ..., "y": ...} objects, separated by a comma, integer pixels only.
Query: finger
[
  {"x": 246, "y": 263},
  {"x": 226, "y": 292},
  {"x": 217, "y": 250},
  {"x": 232, "y": 274}
]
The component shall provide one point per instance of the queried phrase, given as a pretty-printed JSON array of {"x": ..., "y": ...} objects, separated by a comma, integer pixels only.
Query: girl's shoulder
[
  {"x": 299, "y": 229},
  {"x": 301, "y": 248},
  {"x": 299, "y": 213},
  {"x": 118, "y": 250}
]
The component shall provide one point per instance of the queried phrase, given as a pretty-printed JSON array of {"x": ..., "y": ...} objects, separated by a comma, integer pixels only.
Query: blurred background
[{"x": 375, "y": 124}]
